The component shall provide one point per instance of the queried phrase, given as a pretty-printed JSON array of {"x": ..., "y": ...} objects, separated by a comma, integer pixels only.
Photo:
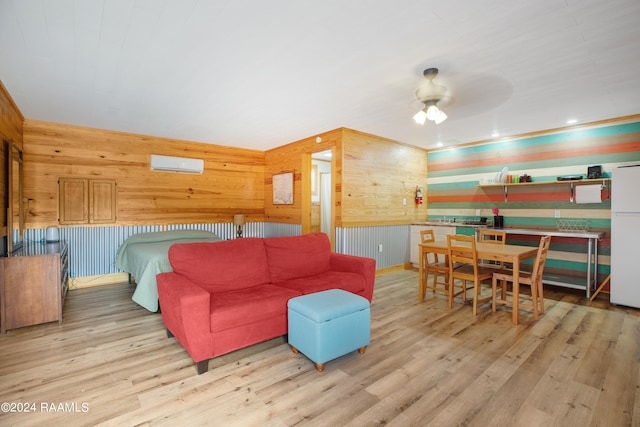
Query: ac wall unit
[{"x": 176, "y": 164}]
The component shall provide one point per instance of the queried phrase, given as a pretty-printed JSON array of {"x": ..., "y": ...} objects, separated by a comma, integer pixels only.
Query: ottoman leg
[
  {"x": 320, "y": 367},
  {"x": 295, "y": 350},
  {"x": 361, "y": 350}
]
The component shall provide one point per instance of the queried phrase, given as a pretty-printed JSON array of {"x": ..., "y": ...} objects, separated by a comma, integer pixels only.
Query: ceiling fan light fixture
[
  {"x": 432, "y": 112},
  {"x": 430, "y": 95},
  {"x": 420, "y": 117},
  {"x": 441, "y": 117}
]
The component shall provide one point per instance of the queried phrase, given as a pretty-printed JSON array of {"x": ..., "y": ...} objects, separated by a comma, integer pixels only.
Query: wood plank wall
[
  {"x": 232, "y": 182},
  {"x": 291, "y": 158},
  {"x": 378, "y": 174},
  {"x": 370, "y": 175},
  {"x": 10, "y": 130}
]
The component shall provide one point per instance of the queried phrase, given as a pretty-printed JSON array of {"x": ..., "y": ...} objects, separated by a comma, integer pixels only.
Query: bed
[{"x": 144, "y": 255}]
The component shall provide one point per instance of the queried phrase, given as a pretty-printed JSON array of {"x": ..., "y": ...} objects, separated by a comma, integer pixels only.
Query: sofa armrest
[
  {"x": 185, "y": 309},
  {"x": 356, "y": 264}
]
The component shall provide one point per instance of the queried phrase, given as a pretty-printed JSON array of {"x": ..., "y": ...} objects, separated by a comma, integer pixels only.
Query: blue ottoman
[{"x": 329, "y": 324}]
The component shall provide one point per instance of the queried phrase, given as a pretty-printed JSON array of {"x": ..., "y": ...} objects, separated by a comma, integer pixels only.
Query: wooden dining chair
[
  {"x": 535, "y": 300},
  {"x": 498, "y": 237},
  {"x": 462, "y": 251},
  {"x": 434, "y": 265}
]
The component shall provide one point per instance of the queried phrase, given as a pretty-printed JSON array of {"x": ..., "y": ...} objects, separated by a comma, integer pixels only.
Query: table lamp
[{"x": 238, "y": 220}]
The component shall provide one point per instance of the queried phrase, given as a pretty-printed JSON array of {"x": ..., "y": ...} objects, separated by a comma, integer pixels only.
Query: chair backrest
[
  {"x": 541, "y": 257},
  {"x": 427, "y": 236},
  {"x": 462, "y": 250},
  {"x": 487, "y": 235}
]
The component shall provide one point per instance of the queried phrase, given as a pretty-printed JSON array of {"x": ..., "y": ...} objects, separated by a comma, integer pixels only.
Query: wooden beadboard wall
[
  {"x": 378, "y": 173},
  {"x": 295, "y": 157},
  {"x": 232, "y": 182},
  {"x": 10, "y": 130},
  {"x": 370, "y": 174}
]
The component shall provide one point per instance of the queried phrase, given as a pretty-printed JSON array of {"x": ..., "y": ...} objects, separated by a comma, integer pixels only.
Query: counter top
[
  {"x": 527, "y": 231},
  {"x": 535, "y": 232},
  {"x": 448, "y": 224}
]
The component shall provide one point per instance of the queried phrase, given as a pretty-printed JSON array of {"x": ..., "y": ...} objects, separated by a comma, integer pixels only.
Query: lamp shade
[
  {"x": 238, "y": 219},
  {"x": 420, "y": 117},
  {"x": 432, "y": 112}
]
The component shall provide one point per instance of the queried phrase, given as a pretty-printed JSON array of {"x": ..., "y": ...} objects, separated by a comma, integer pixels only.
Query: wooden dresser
[{"x": 33, "y": 285}]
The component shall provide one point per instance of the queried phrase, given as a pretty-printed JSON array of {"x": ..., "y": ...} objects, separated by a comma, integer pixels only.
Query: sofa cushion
[
  {"x": 222, "y": 266},
  {"x": 297, "y": 256},
  {"x": 239, "y": 307},
  {"x": 351, "y": 282}
]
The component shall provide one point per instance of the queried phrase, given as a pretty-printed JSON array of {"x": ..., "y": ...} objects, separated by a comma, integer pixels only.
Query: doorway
[{"x": 322, "y": 193}]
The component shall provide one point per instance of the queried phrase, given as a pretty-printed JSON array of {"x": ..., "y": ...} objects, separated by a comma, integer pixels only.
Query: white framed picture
[{"x": 283, "y": 188}]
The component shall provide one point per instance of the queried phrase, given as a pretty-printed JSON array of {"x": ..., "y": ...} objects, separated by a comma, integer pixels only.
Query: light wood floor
[{"x": 426, "y": 365}]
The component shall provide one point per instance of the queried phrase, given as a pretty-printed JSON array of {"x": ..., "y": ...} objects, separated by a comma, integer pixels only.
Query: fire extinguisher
[{"x": 419, "y": 194}]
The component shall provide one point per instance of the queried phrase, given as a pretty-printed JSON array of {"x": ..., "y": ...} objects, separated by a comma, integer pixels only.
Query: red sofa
[{"x": 223, "y": 296}]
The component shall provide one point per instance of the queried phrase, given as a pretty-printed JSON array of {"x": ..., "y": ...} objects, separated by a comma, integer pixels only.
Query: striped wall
[{"x": 454, "y": 176}]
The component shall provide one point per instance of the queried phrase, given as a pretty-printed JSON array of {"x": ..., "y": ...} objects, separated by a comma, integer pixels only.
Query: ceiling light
[
  {"x": 420, "y": 117},
  {"x": 432, "y": 112},
  {"x": 430, "y": 94},
  {"x": 440, "y": 117},
  {"x": 571, "y": 121}
]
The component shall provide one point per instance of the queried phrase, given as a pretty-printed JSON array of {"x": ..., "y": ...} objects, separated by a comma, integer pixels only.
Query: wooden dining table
[{"x": 514, "y": 254}]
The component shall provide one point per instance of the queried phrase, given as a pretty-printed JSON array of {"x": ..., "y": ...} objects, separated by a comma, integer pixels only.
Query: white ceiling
[{"x": 260, "y": 74}]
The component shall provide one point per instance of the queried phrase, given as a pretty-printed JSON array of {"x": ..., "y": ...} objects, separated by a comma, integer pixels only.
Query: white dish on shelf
[{"x": 502, "y": 175}]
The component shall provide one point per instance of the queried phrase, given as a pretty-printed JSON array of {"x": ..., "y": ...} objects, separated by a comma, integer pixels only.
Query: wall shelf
[{"x": 603, "y": 181}]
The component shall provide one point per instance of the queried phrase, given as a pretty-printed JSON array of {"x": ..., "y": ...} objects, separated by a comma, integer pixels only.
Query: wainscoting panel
[
  {"x": 366, "y": 241},
  {"x": 273, "y": 229},
  {"x": 92, "y": 250}
]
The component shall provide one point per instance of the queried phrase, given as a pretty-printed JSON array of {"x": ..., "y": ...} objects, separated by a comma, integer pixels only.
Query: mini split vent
[{"x": 176, "y": 164}]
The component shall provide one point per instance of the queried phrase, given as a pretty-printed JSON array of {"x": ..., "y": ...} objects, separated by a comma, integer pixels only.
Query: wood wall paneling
[
  {"x": 370, "y": 174},
  {"x": 378, "y": 174},
  {"x": 291, "y": 157},
  {"x": 232, "y": 182},
  {"x": 11, "y": 130}
]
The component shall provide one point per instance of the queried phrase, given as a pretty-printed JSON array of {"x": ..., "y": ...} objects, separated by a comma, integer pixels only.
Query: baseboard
[
  {"x": 91, "y": 281},
  {"x": 387, "y": 270}
]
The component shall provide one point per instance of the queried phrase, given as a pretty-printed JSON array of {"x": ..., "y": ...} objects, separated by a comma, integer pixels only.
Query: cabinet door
[
  {"x": 74, "y": 201},
  {"x": 102, "y": 201},
  {"x": 87, "y": 201},
  {"x": 414, "y": 239}
]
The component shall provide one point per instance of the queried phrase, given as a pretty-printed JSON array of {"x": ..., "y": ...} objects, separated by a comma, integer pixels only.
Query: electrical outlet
[
  {"x": 404, "y": 201},
  {"x": 380, "y": 247},
  {"x": 556, "y": 213}
]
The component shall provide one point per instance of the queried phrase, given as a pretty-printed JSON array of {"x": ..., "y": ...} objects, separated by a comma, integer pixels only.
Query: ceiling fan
[{"x": 430, "y": 95}]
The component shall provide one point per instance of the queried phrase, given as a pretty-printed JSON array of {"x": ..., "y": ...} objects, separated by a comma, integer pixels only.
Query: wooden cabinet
[
  {"x": 87, "y": 201},
  {"x": 33, "y": 285}
]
